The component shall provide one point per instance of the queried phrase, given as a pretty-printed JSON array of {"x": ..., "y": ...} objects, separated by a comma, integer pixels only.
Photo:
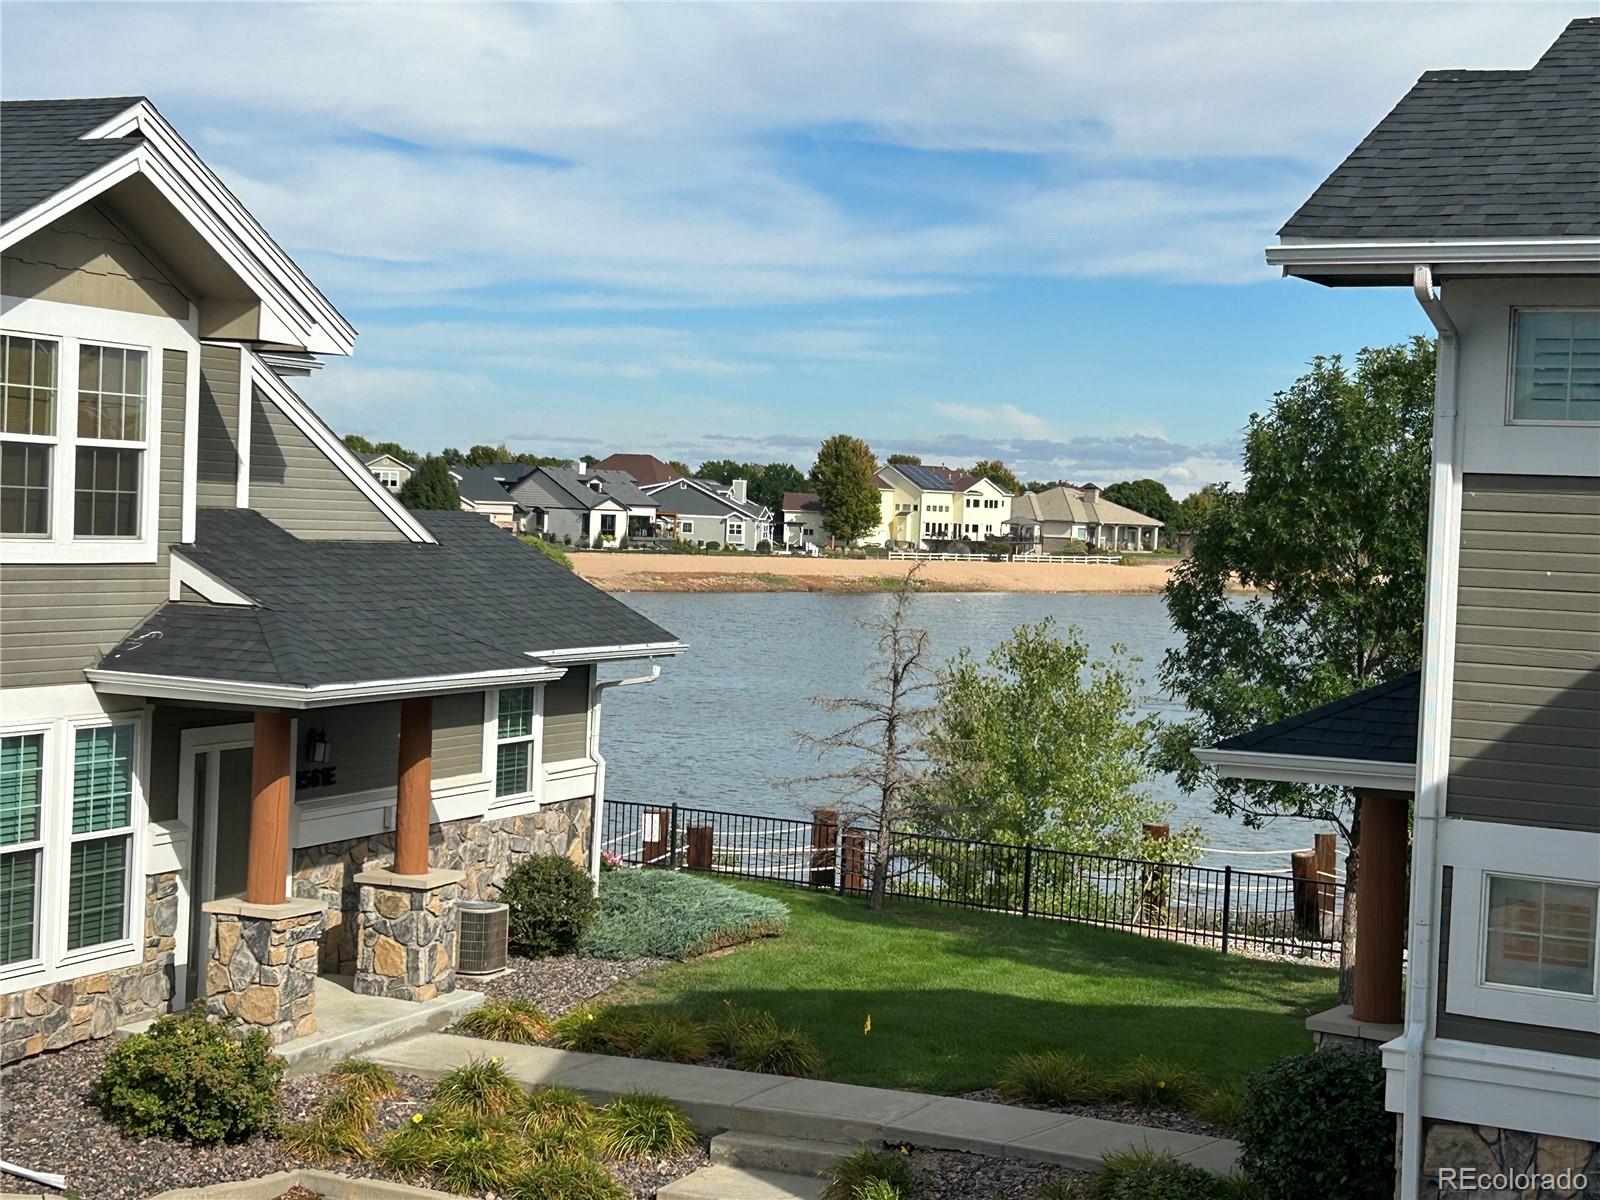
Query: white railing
[{"x": 945, "y": 556}]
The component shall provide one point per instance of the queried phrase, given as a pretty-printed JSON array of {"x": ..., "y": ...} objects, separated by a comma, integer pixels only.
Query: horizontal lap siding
[
  {"x": 458, "y": 735},
  {"x": 295, "y": 485},
  {"x": 217, "y": 439},
  {"x": 566, "y": 715},
  {"x": 1524, "y": 747}
]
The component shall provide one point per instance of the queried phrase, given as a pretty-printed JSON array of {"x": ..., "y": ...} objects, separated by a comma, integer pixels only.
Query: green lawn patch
[
  {"x": 666, "y": 914},
  {"x": 953, "y": 995}
]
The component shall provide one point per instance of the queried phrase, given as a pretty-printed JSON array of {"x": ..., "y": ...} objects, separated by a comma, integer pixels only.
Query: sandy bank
[{"x": 623, "y": 572}]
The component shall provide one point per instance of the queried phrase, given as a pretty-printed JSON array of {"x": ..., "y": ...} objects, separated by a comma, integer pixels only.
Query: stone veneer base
[
  {"x": 1506, "y": 1163},
  {"x": 406, "y": 933},
  {"x": 263, "y": 966}
]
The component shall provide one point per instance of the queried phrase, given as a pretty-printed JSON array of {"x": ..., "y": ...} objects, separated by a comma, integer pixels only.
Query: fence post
[
  {"x": 1327, "y": 850},
  {"x": 853, "y": 862},
  {"x": 672, "y": 840},
  {"x": 653, "y": 840},
  {"x": 1227, "y": 905},
  {"x": 700, "y": 848},
  {"x": 1027, "y": 879},
  {"x": 1303, "y": 869},
  {"x": 824, "y": 846}
]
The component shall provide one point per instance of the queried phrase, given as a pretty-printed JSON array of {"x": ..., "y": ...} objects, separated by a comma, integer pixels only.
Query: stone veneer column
[
  {"x": 263, "y": 966},
  {"x": 406, "y": 928}
]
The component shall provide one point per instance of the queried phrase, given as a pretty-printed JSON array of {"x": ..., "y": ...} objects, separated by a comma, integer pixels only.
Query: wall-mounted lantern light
[{"x": 316, "y": 746}]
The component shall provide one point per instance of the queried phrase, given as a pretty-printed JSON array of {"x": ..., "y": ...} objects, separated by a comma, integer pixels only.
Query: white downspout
[
  {"x": 1433, "y": 743},
  {"x": 597, "y": 804}
]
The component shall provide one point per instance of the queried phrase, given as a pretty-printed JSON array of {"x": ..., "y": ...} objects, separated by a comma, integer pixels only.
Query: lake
[{"x": 716, "y": 730}]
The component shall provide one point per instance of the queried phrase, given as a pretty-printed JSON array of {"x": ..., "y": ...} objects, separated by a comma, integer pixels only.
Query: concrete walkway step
[
  {"x": 771, "y": 1152},
  {"x": 732, "y": 1183}
]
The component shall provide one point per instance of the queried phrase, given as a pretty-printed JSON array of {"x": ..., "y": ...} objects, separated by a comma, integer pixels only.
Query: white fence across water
[{"x": 950, "y": 556}]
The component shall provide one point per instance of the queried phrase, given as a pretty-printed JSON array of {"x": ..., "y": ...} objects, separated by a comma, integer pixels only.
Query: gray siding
[
  {"x": 86, "y": 258},
  {"x": 296, "y": 485},
  {"x": 166, "y": 730},
  {"x": 55, "y": 624},
  {"x": 566, "y": 715},
  {"x": 1527, "y": 673},
  {"x": 458, "y": 735},
  {"x": 217, "y": 439},
  {"x": 1580, "y": 1043}
]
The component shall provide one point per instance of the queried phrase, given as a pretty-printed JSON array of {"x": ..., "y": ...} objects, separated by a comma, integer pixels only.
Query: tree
[
  {"x": 1147, "y": 496},
  {"x": 905, "y": 460},
  {"x": 997, "y": 472},
  {"x": 452, "y": 457},
  {"x": 365, "y": 449},
  {"x": 885, "y": 743},
  {"x": 680, "y": 470},
  {"x": 725, "y": 470},
  {"x": 359, "y": 446},
  {"x": 770, "y": 482},
  {"x": 842, "y": 477},
  {"x": 486, "y": 456},
  {"x": 1331, "y": 537},
  {"x": 1192, "y": 509},
  {"x": 431, "y": 486},
  {"x": 1039, "y": 745}
]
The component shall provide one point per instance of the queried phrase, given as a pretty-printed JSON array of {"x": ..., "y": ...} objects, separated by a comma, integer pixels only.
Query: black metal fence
[{"x": 1234, "y": 911}]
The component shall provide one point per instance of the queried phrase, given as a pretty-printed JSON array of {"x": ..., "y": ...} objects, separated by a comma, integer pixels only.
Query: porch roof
[{"x": 315, "y": 622}]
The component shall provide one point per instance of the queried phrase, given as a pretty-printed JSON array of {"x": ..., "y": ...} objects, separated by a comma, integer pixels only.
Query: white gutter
[
  {"x": 1433, "y": 740},
  {"x": 280, "y": 695},
  {"x": 1405, "y": 254},
  {"x": 597, "y": 804},
  {"x": 1313, "y": 769},
  {"x": 587, "y": 654}
]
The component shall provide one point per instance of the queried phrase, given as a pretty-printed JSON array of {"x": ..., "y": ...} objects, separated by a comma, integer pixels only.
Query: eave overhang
[
  {"x": 274, "y": 695},
  {"x": 1311, "y": 769},
  {"x": 1389, "y": 263}
]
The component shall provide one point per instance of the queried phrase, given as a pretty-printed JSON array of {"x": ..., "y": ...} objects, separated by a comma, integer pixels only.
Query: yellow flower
[
  {"x": 416, "y": 1118},
  {"x": 868, "y": 1027},
  {"x": 494, "y": 1060},
  {"x": 1161, "y": 1083}
]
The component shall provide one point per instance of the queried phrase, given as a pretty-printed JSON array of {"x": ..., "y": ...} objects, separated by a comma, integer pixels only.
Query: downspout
[
  {"x": 1438, "y": 680},
  {"x": 597, "y": 802}
]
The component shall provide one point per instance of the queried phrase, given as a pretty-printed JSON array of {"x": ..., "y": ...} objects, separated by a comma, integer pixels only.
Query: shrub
[
  {"x": 866, "y": 1166},
  {"x": 642, "y": 1123},
  {"x": 669, "y": 1037},
  {"x": 566, "y": 539},
  {"x": 712, "y": 547},
  {"x": 1147, "y": 1175},
  {"x": 763, "y": 547},
  {"x": 510, "y": 1020},
  {"x": 1051, "y": 1077},
  {"x": 1157, "y": 1085},
  {"x": 549, "y": 549},
  {"x": 564, "y": 1177},
  {"x": 349, "y": 1106},
  {"x": 1220, "y": 1107},
  {"x": 774, "y": 1051},
  {"x": 472, "y": 1155},
  {"x": 665, "y": 914},
  {"x": 481, "y": 1088},
  {"x": 596, "y": 1030},
  {"x": 372, "y": 1080},
  {"x": 877, "y": 1189},
  {"x": 732, "y": 1025},
  {"x": 551, "y": 902},
  {"x": 1313, "y": 1125},
  {"x": 323, "y": 1140},
  {"x": 555, "y": 1108},
  {"x": 188, "y": 1077}
]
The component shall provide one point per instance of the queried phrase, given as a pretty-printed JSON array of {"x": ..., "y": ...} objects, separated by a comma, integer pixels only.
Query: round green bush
[
  {"x": 191, "y": 1078},
  {"x": 1145, "y": 1175},
  {"x": 551, "y": 901},
  {"x": 1313, "y": 1126}
]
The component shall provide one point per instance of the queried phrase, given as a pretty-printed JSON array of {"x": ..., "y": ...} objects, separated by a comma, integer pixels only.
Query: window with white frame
[
  {"x": 27, "y": 434},
  {"x": 389, "y": 477},
  {"x": 21, "y": 844},
  {"x": 516, "y": 731},
  {"x": 608, "y": 525},
  {"x": 102, "y": 835},
  {"x": 110, "y": 443},
  {"x": 1555, "y": 366},
  {"x": 735, "y": 531},
  {"x": 1540, "y": 934},
  {"x": 685, "y": 526}
]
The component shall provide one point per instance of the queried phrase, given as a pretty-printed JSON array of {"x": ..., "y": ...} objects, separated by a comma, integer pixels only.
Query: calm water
[{"x": 716, "y": 730}]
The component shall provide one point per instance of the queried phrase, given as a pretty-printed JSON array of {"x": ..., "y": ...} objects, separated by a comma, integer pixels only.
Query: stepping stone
[
  {"x": 769, "y": 1152},
  {"x": 732, "y": 1183}
]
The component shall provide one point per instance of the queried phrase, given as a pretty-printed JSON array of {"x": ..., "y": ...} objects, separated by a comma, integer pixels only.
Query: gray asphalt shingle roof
[
  {"x": 1476, "y": 154},
  {"x": 1378, "y": 724},
  {"x": 42, "y": 151},
  {"x": 489, "y": 484},
  {"x": 331, "y": 612}
]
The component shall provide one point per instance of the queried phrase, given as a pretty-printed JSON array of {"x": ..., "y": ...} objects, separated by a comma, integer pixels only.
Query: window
[
  {"x": 21, "y": 836},
  {"x": 735, "y": 531},
  {"x": 110, "y": 452},
  {"x": 389, "y": 477},
  {"x": 102, "y": 828},
  {"x": 517, "y": 727},
  {"x": 28, "y": 429},
  {"x": 1541, "y": 934},
  {"x": 685, "y": 526},
  {"x": 1555, "y": 366}
]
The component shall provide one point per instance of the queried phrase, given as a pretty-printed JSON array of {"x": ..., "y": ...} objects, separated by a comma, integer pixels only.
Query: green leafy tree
[
  {"x": 365, "y": 449},
  {"x": 679, "y": 469},
  {"x": 431, "y": 486},
  {"x": 725, "y": 470},
  {"x": 770, "y": 482},
  {"x": 842, "y": 477},
  {"x": 1147, "y": 496},
  {"x": 1038, "y": 745},
  {"x": 452, "y": 456},
  {"x": 997, "y": 472},
  {"x": 486, "y": 456},
  {"x": 359, "y": 445},
  {"x": 1192, "y": 509},
  {"x": 1330, "y": 538},
  {"x": 905, "y": 460}
]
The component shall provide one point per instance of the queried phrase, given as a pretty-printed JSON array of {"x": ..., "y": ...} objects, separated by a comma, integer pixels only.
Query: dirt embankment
[{"x": 624, "y": 572}]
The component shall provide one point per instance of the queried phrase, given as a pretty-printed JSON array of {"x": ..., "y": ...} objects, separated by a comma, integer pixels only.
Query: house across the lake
[
  {"x": 802, "y": 520},
  {"x": 487, "y": 490},
  {"x": 1478, "y": 780},
  {"x": 704, "y": 511},
  {"x": 584, "y": 507},
  {"x": 246, "y": 698},
  {"x": 390, "y": 471},
  {"x": 1047, "y": 522}
]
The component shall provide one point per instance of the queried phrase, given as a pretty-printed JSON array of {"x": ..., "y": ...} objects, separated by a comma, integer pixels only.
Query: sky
[{"x": 728, "y": 231}]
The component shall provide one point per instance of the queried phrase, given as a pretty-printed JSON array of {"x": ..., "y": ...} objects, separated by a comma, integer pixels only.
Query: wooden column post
[
  {"x": 1303, "y": 870},
  {"x": 414, "y": 795},
  {"x": 654, "y": 838},
  {"x": 1381, "y": 903},
  {"x": 701, "y": 850},
  {"x": 853, "y": 863},
  {"x": 824, "y": 846},
  {"x": 1327, "y": 856},
  {"x": 270, "y": 764}
]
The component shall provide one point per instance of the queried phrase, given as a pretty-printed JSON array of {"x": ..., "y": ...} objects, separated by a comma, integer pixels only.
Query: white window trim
[
  {"x": 52, "y": 961},
  {"x": 728, "y": 533},
  {"x": 1475, "y": 850},
  {"x": 523, "y": 802},
  {"x": 68, "y": 325},
  {"x": 1511, "y": 368},
  {"x": 685, "y": 526}
]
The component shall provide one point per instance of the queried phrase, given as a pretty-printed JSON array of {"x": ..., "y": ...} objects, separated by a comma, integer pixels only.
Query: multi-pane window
[
  {"x": 735, "y": 532},
  {"x": 21, "y": 844},
  {"x": 27, "y": 433},
  {"x": 517, "y": 727},
  {"x": 1555, "y": 366},
  {"x": 102, "y": 816},
  {"x": 1541, "y": 934},
  {"x": 110, "y": 456}
]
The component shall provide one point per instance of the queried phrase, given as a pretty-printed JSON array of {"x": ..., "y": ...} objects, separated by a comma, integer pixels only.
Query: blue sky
[{"x": 1031, "y": 232}]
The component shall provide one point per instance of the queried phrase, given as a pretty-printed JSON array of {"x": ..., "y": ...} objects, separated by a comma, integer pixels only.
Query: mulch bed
[
  {"x": 1127, "y": 1114},
  {"x": 48, "y": 1122},
  {"x": 560, "y": 983},
  {"x": 948, "y": 1175}
]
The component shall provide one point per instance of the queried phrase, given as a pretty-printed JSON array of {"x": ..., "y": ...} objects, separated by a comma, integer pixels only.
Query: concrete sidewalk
[{"x": 717, "y": 1099}]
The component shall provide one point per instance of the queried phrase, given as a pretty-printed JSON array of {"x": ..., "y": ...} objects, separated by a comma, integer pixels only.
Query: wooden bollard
[
  {"x": 656, "y": 824},
  {"x": 1326, "y": 852},
  {"x": 1153, "y": 887},
  {"x": 824, "y": 846},
  {"x": 699, "y": 847},
  {"x": 1303, "y": 867},
  {"x": 853, "y": 862}
]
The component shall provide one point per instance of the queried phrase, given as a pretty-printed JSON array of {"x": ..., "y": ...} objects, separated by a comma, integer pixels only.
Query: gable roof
[
  {"x": 1063, "y": 503},
  {"x": 571, "y": 490},
  {"x": 488, "y": 485},
  {"x": 645, "y": 468},
  {"x": 42, "y": 145},
  {"x": 929, "y": 479},
  {"x": 801, "y": 502},
  {"x": 1378, "y": 724},
  {"x": 712, "y": 490},
  {"x": 340, "y": 616},
  {"x": 1476, "y": 154}
]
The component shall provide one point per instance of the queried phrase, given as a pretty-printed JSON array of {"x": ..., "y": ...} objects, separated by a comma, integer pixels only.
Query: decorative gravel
[
  {"x": 1127, "y": 1114},
  {"x": 947, "y": 1175},
  {"x": 49, "y": 1122},
  {"x": 560, "y": 983}
]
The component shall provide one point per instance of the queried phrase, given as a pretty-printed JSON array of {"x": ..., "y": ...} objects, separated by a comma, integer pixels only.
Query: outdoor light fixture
[{"x": 316, "y": 746}]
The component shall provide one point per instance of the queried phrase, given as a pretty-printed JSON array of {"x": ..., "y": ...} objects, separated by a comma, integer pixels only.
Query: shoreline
[{"x": 620, "y": 571}]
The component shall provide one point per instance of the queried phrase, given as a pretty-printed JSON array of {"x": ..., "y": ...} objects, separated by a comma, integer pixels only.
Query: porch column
[
  {"x": 415, "y": 791},
  {"x": 1381, "y": 908},
  {"x": 270, "y": 764}
]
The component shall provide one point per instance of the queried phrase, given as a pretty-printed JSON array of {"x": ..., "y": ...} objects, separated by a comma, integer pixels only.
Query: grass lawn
[{"x": 953, "y": 994}]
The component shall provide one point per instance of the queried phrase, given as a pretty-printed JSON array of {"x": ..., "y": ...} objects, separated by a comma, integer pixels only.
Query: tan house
[{"x": 1045, "y": 522}]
